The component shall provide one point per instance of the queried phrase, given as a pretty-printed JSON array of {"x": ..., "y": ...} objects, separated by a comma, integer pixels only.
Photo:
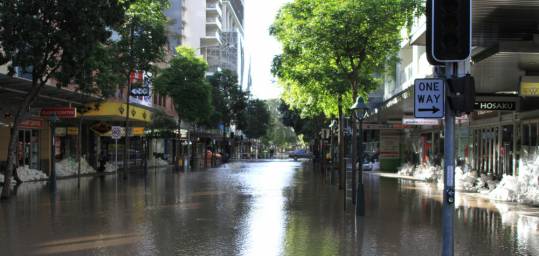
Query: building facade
[{"x": 501, "y": 134}]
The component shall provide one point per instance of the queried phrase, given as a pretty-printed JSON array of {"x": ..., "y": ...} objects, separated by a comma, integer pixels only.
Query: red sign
[
  {"x": 32, "y": 123},
  {"x": 136, "y": 77},
  {"x": 61, "y": 112}
]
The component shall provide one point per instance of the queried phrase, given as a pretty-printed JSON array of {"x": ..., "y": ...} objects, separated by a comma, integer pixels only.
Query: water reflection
[{"x": 252, "y": 208}]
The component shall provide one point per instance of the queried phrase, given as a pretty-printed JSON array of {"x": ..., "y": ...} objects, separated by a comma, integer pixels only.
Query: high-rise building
[{"x": 214, "y": 28}]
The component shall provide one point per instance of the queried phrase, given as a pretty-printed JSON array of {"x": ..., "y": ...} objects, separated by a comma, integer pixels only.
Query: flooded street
[{"x": 252, "y": 208}]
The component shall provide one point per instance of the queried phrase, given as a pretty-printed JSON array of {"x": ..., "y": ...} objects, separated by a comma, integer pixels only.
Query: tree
[
  {"x": 228, "y": 99},
  {"x": 141, "y": 41},
  {"x": 185, "y": 82},
  {"x": 258, "y": 119},
  {"x": 278, "y": 135},
  {"x": 52, "y": 40},
  {"x": 308, "y": 127},
  {"x": 328, "y": 44}
]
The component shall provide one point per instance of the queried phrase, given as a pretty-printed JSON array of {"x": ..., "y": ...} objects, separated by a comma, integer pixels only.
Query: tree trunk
[
  {"x": 342, "y": 164},
  {"x": 354, "y": 151},
  {"x": 12, "y": 145}
]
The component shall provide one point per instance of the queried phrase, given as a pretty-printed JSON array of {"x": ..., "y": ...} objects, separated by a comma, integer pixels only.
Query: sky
[{"x": 260, "y": 46}]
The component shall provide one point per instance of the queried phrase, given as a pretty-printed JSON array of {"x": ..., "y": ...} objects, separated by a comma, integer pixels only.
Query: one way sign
[{"x": 429, "y": 98}]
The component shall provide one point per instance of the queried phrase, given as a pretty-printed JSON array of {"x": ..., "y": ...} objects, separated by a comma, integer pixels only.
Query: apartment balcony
[
  {"x": 211, "y": 39},
  {"x": 213, "y": 9},
  {"x": 213, "y": 24}
]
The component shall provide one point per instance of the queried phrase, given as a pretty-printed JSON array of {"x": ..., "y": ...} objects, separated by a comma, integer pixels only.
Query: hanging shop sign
[
  {"x": 60, "y": 112},
  {"x": 72, "y": 131},
  {"x": 140, "y": 91},
  {"x": 60, "y": 131},
  {"x": 420, "y": 121},
  {"x": 529, "y": 86},
  {"x": 384, "y": 126},
  {"x": 32, "y": 123}
]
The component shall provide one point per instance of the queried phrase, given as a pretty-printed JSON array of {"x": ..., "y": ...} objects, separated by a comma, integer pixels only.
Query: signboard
[
  {"x": 140, "y": 91},
  {"x": 420, "y": 121},
  {"x": 496, "y": 105},
  {"x": 116, "y": 132},
  {"x": 137, "y": 131},
  {"x": 60, "y": 112},
  {"x": 529, "y": 86},
  {"x": 429, "y": 98},
  {"x": 389, "y": 147},
  {"x": 32, "y": 123},
  {"x": 367, "y": 126},
  {"x": 72, "y": 131},
  {"x": 60, "y": 131}
]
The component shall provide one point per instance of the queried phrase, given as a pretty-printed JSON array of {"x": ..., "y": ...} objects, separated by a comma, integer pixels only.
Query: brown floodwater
[{"x": 252, "y": 208}]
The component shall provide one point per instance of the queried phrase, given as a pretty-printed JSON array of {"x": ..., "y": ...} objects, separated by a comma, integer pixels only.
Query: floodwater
[{"x": 252, "y": 208}]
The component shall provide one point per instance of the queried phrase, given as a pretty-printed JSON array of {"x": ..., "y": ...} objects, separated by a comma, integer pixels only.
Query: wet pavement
[{"x": 252, "y": 208}]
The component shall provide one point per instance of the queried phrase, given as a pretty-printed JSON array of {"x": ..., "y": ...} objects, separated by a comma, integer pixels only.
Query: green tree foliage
[
  {"x": 308, "y": 127},
  {"x": 53, "y": 39},
  {"x": 185, "y": 82},
  {"x": 142, "y": 36},
  {"x": 334, "y": 47},
  {"x": 279, "y": 134},
  {"x": 228, "y": 99},
  {"x": 258, "y": 119}
]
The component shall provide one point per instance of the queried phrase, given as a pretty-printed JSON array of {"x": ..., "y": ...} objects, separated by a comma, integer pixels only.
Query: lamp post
[
  {"x": 359, "y": 109},
  {"x": 52, "y": 178},
  {"x": 332, "y": 128}
]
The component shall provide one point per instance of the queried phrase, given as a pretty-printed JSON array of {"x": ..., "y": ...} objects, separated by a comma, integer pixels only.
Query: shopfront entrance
[
  {"x": 494, "y": 152},
  {"x": 28, "y": 148}
]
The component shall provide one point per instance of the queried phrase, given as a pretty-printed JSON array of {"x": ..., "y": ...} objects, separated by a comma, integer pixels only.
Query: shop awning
[
  {"x": 116, "y": 111},
  {"x": 394, "y": 108},
  {"x": 13, "y": 90}
]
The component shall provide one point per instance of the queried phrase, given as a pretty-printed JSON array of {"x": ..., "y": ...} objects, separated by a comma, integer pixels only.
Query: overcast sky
[{"x": 261, "y": 47}]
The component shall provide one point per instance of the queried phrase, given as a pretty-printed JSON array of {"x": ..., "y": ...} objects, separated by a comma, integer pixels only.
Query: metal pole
[
  {"x": 360, "y": 203},
  {"x": 116, "y": 154},
  {"x": 52, "y": 178},
  {"x": 79, "y": 152},
  {"x": 449, "y": 177}
]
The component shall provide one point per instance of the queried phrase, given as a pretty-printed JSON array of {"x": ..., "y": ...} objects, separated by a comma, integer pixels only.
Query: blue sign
[{"x": 429, "y": 98}]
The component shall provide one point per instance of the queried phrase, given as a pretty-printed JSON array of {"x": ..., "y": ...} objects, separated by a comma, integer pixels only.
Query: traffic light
[
  {"x": 451, "y": 30},
  {"x": 462, "y": 94}
]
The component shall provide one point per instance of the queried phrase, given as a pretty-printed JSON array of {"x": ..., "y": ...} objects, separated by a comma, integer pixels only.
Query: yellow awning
[{"x": 111, "y": 109}]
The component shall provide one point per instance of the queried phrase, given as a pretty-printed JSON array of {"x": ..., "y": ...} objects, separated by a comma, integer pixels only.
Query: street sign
[
  {"x": 140, "y": 91},
  {"x": 116, "y": 132},
  {"x": 60, "y": 112},
  {"x": 429, "y": 98}
]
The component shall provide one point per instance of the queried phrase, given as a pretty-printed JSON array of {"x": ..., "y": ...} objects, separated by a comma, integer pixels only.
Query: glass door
[{"x": 28, "y": 148}]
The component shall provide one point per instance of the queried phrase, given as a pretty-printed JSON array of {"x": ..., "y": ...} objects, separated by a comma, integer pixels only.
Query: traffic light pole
[{"x": 448, "y": 210}]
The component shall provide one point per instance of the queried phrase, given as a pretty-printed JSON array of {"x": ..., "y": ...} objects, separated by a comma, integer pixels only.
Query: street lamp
[
  {"x": 53, "y": 119},
  {"x": 359, "y": 110},
  {"x": 332, "y": 128}
]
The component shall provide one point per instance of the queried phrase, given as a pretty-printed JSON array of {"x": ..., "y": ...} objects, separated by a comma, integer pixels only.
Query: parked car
[{"x": 299, "y": 153}]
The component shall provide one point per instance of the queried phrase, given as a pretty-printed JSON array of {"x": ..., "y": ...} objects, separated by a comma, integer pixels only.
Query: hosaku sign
[
  {"x": 496, "y": 105},
  {"x": 429, "y": 98}
]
